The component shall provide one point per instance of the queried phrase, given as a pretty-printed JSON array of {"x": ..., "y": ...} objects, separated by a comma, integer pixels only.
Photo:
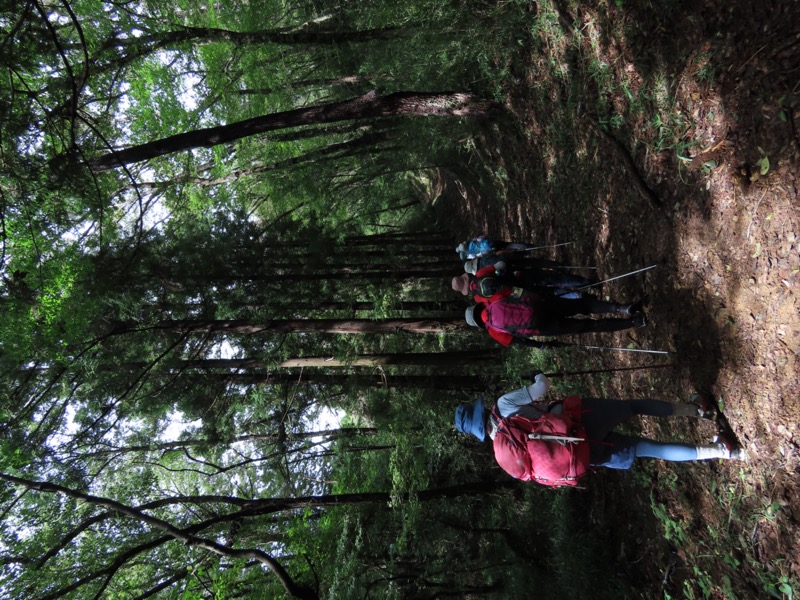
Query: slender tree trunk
[
  {"x": 422, "y": 305},
  {"x": 199, "y": 35},
  {"x": 345, "y": 80},
  {"x": 402, "y": 238},
  {"x": 341, "y": 326},
  {"x": 331, "y": 434},
  {"x": 437, "y": 382},
  {"x": 336, "y": 150},
  {"x": 433, "y": 359},
  {"x": 332, "y": 274},
  {"x": 368, "y": 106}
]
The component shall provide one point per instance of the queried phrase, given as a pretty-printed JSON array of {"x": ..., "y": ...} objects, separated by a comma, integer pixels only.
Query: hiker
[
  {"x": 482, "y": 289},
  {"x": 558, "y": 442},
  {"x": 514, "y": 315},
  {"x": 483, "y": 245},
  {"x": 514, "y": 261},
  {"x": 524, "y": 277}
]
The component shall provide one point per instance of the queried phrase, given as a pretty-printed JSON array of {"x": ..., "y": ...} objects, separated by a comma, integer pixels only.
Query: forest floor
[{"x": 700, "y": 104}]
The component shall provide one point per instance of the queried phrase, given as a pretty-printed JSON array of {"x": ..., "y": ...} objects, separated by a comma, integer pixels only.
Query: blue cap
[{"x": 469, "y": 419}]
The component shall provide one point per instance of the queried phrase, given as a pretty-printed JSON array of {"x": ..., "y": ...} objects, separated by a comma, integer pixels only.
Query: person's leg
[
  {"x": 618, "y": 451},
  {"x": 559, "y": 292},
  {"x": 548, "y": 325},
  {"x": 588, "y": 305},
  {"x": 529, "y": 278},
  {"x": 525, "y": 262},
  {"x": 518, "y": 246},
  {"x": 678, "y": 452},
  {"x": 601, "y": 415},
  {"x": 660, "y": 408},
  {"x": 563, "y": 307},
  {"x": 671, "y": 451},
  {"x": 654, "y": 408}
]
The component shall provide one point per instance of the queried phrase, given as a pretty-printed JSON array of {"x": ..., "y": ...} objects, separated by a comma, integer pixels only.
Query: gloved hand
[{"x": 534, "y": 374}]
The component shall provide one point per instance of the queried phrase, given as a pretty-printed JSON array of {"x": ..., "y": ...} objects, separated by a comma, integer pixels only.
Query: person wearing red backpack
[
  {"x": 482, "y": 289},
  {"x": 513, "y": 315},
  {"x": 557, "y": 443},
  {"x": 499, "y": 275}
]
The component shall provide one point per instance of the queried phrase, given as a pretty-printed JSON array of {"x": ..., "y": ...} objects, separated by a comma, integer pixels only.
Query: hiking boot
[
  {"x": 635, "y": 308},
  {"x": 639, "y": 321},
  {"x": 690, "y": 409},
  {"x": 706, "y": 408},
  {"x": 730, "y": 449}
]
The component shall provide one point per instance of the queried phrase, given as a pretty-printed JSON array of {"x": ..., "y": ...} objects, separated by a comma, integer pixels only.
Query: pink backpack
[
  {"x": 513, "y": 315},
  {"x": 551, "y": 450}
]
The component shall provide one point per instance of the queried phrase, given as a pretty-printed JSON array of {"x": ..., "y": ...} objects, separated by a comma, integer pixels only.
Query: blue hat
[{"x": 469, "y": 419}]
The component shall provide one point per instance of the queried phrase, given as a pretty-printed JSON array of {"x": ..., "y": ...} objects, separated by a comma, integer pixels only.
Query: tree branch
[{"x": 292, "y": 588}]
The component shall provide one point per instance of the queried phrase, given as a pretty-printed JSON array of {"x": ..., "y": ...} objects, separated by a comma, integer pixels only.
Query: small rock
[{"x": 785, "y": 432}]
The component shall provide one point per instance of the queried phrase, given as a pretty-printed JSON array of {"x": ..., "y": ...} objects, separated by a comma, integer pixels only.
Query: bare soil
[{"x": 722, "y": 225}]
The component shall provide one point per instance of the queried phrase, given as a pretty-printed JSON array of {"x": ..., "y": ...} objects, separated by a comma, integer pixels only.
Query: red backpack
[
  {"x": 513, "y": 315},
  {"x": 551, "y": 450}
]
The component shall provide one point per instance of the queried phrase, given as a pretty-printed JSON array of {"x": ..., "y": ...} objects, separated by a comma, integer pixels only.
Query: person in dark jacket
[{"x": 513, "y": 316}]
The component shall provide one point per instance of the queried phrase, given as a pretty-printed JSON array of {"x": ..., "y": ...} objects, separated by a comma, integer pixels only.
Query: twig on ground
[{"x": 753, "y": 215}]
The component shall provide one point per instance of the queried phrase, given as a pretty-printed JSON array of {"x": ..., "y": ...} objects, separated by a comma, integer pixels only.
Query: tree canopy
[{"x": 228, "y": 345}]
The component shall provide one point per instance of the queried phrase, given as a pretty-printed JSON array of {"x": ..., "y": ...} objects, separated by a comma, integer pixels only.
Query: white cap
[{"x": 471, "y": 266}]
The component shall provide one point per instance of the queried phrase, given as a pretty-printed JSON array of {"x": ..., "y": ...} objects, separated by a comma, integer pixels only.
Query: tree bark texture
[
  {"x": 368, "y": 106},
  {"x": 433, "y": 359},
  {"x": 438, "y": 382},
  {"x": 339, "y": 326}
]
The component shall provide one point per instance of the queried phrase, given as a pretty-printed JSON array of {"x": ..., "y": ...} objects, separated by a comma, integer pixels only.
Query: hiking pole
[
  {"x": 616, "y": 277},
  {"x": 543, "y": 247},
  {"x": 625, "y": 349},
  {"x": 595, "y": 371},
  {"x": 566, "y": 267},
  {"x": 545, "y": 345}
]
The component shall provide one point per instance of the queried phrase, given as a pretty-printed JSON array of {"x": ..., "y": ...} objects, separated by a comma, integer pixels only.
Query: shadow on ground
[{"x": 702, "y": 100}]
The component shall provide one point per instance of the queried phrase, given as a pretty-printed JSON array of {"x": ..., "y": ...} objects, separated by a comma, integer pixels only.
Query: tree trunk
[
  {"x": 341, "y": 326},
  {"x": 368, "y": 106},
  {"x": 336, "y": 150},
  {"x": 433, "y": 359},
  {"x": 438, "y": 382},
  {"x": 395, "y": 274},
  {"x": 427, "y": 306}
]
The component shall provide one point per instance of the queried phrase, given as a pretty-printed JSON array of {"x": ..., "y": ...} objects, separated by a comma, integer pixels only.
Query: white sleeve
[
  {"x": 511, "y": 403},
  {"x": 539, "y": 387}
]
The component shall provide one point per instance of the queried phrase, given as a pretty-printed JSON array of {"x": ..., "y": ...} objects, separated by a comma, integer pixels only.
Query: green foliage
[{"x": 102, "y": 270}]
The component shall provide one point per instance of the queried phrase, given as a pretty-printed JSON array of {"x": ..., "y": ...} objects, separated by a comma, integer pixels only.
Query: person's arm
[
  {"x": 539, "y": 387},
  {"x": 524, "y": 401}
]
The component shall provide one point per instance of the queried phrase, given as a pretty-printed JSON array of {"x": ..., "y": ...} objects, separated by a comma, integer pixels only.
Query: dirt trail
[{"x": 725, "y": 296}]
